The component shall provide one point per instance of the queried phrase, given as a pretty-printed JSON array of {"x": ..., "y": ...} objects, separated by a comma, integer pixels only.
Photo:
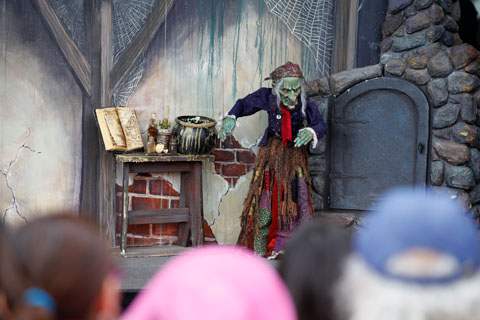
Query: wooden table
[{"x": 190, "y": 212}]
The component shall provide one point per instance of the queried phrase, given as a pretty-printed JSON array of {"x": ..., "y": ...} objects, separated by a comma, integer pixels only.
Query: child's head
[{"x": 58, "y": 267}]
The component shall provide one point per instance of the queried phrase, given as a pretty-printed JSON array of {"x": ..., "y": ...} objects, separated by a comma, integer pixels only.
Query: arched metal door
[{"x": 379, "y": 140}]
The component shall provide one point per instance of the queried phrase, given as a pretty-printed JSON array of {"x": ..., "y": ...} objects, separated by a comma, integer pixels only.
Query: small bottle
[
  {"x": 152, "y": 128},
  {"x": 172, "y": 146},
  {"x": 150, "y": 145}
]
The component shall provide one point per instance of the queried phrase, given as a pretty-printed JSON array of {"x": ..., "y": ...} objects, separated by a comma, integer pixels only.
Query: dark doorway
[
  {"x": 468, "y": 23},
  {"x": 380, "y": 131}
]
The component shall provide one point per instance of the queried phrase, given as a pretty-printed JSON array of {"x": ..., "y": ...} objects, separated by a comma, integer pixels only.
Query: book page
[
  {"x": 129, "y": 122},
  {"x": 114, "y": 127},
  {"x": 108, "y": 139}
]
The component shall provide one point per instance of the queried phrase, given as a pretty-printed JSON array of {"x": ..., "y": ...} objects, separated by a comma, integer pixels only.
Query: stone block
[
  {"x": 450, "y": 24},
  {"x": 318, "y": 201},
  {"x": 409, "y": 42},
  {"x": 430, "y": 49},
  {"x": 318, "y": 183},
  {"x": 464, "y": 133},
  {"x": 462, "y": 55},
  {"x": 343, "y": 80},
  {"x": 455, "y": 194},
  {"x": 391, "y": 23},
  {"x": 459, "y": 177},
  {"x": 317, "y": 164},
  {"x": 468, "y": 110},
  {"x": 396, "y": 67},
  {"x": 460, "y": 81},
  {"x": 400, "y": 32},
  {"x": 436, "y": 174},
  {"x": 436, "y": 14},
  {"x": 422, "y": 4},
  {"x": 437, "y": 91},
  {"x": 397, "y": 5},
  {"x": 456, "y": 11},
  {"x": 435, "y": 33},
  {"x": 455, "y": 153},
  {"x": 475, "y": 195},
  {"x": 447, "y": 5},
  {"x": 474, "y": 163},
  {"x": 442, "y": 133},
  {"x": 386, "y": 44},
  {"x": 440, "y": 65},
  {"x": 445, "y": 116},
  {"x": 409, "y": 11},
  {"x": 448, "y": 38},
  {"x": 417, "y": 61},
  {"x": 473, "y": 68},
  {"x": 417, "y": 22},
  {"x": 420, "y": 77}
]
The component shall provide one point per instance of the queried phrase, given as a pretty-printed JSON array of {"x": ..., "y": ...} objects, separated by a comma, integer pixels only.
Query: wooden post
[
  {"x": 98, "y": 173},
  {"x": 345, "y": 35}
]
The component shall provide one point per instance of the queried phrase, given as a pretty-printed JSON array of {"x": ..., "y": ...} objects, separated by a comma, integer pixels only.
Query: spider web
[
  {"x": 311, "y": 21},
  {"x": 128, "y": 18}
]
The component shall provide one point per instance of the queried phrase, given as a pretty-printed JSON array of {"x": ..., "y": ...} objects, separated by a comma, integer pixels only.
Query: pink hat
[{"x": 214, "y": 283}]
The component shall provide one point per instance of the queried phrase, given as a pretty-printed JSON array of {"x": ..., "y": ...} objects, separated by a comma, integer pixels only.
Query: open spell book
[{"x": 119, "y": 128}]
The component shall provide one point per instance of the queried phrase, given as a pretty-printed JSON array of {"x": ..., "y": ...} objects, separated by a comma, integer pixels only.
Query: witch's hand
[
  {"x": 303, "y": 137},
  {"x": 228, "y": 125}
]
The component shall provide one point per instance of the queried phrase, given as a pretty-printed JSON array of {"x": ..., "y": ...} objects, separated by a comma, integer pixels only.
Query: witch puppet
[{"x": 280, "y": 194}]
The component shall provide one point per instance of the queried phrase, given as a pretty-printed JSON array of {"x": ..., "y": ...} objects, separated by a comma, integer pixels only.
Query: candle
[{"x": 166, "y": 111}]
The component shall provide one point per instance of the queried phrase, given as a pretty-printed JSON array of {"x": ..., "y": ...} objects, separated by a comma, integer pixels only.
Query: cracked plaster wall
[
  {"x": 40, "y": 112},
  {"x": 210, "y": 54}
]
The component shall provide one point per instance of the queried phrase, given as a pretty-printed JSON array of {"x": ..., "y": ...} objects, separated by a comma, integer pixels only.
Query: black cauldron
[{"x": 195, "y": 134}]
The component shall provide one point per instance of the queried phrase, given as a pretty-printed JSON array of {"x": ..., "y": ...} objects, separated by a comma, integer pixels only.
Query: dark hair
[
  {"x": 311, "y": 266},
  {"x": 62, "y": 255}
]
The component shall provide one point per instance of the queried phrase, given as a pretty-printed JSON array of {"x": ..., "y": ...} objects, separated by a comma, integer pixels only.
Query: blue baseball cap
[{"x": 408, "y": 220}]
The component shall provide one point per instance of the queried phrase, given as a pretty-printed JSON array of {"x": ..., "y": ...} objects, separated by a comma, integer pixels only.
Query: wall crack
[{"x": 7, "y": 173}]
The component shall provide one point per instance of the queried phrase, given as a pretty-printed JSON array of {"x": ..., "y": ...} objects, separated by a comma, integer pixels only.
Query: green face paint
[{"x": 289, "y": 91}]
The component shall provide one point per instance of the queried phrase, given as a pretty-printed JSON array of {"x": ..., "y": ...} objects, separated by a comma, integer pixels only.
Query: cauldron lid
[{"x": 195, "y": 121}]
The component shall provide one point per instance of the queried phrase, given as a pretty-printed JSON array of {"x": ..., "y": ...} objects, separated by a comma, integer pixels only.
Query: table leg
[
  {"x": 197, "y": 201},
  {"x": 123, "y": 245}
]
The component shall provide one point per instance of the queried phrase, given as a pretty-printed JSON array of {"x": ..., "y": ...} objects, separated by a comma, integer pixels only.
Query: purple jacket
[{"x": 264, "y": 99}]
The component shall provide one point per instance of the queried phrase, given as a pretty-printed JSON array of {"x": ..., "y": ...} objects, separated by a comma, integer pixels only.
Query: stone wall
[{"x": 421, "y": 44}]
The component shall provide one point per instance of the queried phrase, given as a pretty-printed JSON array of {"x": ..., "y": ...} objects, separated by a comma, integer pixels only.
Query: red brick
[
  {"x": 140, "y": 229},
  {"x": 174, "y": 203},
  {"x": 165, "y": 204},
  {"x": 146, "y": 203},
  {"x": 165, "y": 229},
  {"x": 250, "y": 167},
  {"x": 218, "y": 168},
  {"x": 138, "y": 241},
  {"x": 151, "y": 241},
  {"x": 162, "y": 187},
  {"x": 234, "y": 169},
  {"x": 138, "y": 186},
  {"x": 245, "y": 156},
  {"x": 118, "y": 204},
  {"x": 129, "y": 241},
  {"x": 224, "y": 155},
  {"x": 230, "y": 143},
  {"x": 207, "y": 232}
]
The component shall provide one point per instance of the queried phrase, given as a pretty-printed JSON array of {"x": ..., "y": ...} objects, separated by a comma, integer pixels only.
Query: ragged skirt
[{"x": 279, "y": 198}]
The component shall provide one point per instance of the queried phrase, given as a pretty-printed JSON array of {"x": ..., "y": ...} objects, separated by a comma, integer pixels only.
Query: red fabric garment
[{"x": 286, "y": 125}]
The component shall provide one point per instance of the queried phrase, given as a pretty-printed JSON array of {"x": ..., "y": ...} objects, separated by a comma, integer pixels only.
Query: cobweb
[
  {"x": 311, "y": 21},
  {"x": 128, "y": 18}
]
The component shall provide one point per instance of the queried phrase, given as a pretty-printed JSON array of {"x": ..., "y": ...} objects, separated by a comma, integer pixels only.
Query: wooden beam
[
  {"x": 140, "y": 42},
  {"x": 345, "y": 35},
  {"x": 76, "y": 60},
  {"x": 98, "y": 166}
]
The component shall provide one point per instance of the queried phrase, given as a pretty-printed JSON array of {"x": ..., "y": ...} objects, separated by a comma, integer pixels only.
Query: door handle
[{"x": 421, "y": 147}]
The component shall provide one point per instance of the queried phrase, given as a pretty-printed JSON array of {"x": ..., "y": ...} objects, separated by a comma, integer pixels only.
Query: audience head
[
  {"x": 311, "y": 266},
  {"x": 57, "y": 267},
  {"x": 214, "y": 283},
  {"x": 417, "y": 257}
]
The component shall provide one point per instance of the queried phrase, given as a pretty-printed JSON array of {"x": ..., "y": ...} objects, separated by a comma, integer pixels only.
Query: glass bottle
[{"x": 152, "y": 128}]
